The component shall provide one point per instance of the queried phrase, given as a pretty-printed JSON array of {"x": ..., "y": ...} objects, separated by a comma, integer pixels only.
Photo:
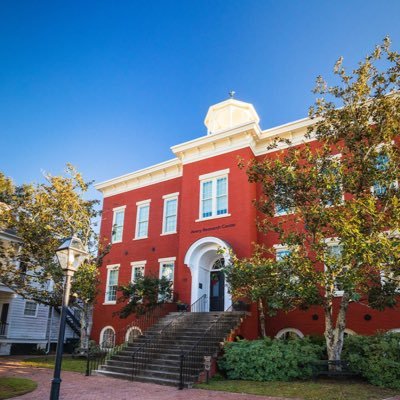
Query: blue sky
[{"x": 110, "y": 86}]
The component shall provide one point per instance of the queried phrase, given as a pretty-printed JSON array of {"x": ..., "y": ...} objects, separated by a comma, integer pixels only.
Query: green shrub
[
  {"x": 376, "y": 358},
  {"x": 270, "y": 359}
]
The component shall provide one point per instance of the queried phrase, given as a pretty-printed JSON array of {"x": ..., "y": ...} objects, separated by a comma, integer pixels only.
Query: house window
[
  {"x": 381, "y": 182},
  {"x": 30, "y": 309},
  {"x": 137, "y": 270},
  {"x": 333, "y": 262},
  {"x": 289, "y": 333},
  {"x": 170, "y": 213},
  {"x": 280, "y": 193},
  {"x": 330, "y": 176},
  {"x": 282, "y": 252},
  {"x": 214, "y": 194},
  {"x": 167, "y": 267},
  {"x": 107, "y": 338},
  {"x": 142, "y": 219},
  {"x": 112, "y": 284},
  {"x": 118, "y": 224}
]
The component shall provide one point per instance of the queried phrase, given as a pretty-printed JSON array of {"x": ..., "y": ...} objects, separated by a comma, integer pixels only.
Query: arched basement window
[
  {"x": 289, "y": 333},
  {"x": 133, "y": 333},
  {"x": 107, "y": 337}
]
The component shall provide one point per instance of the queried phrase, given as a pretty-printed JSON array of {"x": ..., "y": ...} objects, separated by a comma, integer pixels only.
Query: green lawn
[
  {"x": 11, "y": 387},
  {"x": 68, "y": 363},
  {"x": 307, "y": 390}
]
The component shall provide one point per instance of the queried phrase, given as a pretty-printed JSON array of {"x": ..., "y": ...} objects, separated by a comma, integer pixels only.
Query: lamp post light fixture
[{"x": 70, "y": 255}]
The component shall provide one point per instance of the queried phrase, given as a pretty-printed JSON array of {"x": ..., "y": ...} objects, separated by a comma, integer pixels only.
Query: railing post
[
  {"x": 181, "y": 383},
  {"x": 87, "y": 362}
]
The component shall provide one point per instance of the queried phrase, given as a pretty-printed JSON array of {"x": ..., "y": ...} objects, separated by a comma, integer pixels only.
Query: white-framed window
[
  {"x": 281, "y": 252},
  {"x": 31, "y": 308},
  {"x": 382, "y": 160},
  {"x": 334, "y": 254},
  {"x": 118, "y": 224},
  {"x": 170, "y": 215},
  {"x": 133, "y": 333},
  {"x": 330, "y": 171},
  {"x": 167, "y": 269},
  {"x": 137, "y": 269},
  {"x": 214, "y": 194},
  {"x": 281, "y": 209},
  {"x": 107, "y": 337},
  {"x": 142, "y": 219},
  {"x": 112, "y": 284}
]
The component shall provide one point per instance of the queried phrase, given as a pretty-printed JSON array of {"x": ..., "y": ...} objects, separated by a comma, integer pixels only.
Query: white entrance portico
[{"x": 201, "y": 258}]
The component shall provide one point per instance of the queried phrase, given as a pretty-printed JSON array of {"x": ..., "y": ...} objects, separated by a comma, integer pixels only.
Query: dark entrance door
[{"x": 217, "y": 290}]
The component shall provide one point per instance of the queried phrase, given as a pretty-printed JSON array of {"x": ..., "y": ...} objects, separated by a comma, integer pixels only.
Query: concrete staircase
[{"x": 158, "y": 353}]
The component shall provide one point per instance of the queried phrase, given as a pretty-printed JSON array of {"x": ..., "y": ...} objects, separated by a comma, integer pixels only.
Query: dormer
[{"x": 228, "y": 115}]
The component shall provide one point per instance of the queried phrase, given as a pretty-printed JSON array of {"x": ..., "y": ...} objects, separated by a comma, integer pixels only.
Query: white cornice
[
  {"x": 246, "y": 135},
  {"x": 144, "y": 177}
]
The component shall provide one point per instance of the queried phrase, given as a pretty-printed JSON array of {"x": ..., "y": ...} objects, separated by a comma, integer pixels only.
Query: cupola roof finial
[{"x": 232, "y": 94}]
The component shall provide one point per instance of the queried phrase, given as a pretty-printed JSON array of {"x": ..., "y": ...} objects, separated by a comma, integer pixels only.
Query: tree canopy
[{"x": 333, "y": 201}]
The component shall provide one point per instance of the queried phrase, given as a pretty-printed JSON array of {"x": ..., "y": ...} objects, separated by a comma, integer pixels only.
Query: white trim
[
  {"x": 168, "y": 233},
  {"x": 213, "y": 177},
  {"x": 101, "y": 337},
  {"x": 130, "y": 329},
  {"x": 394, "y": 330},
  {"x": 215, "y": 174},
  {"x": 116, "y": 210},
  {"x": 286, "y": 330},
  {"x": 113, "y": 267},
  {"x": 331, "y": 242},
  {"x": 138, "y": 263},
  {"x": 142, "y": 202},
  {"x": 349, "y": 332},
  {"x": 36, "y": 309},
  {"x": 119, "y": 208},
  {"x": 139, "y": 205},
  {"x": 200, "y": 257},
  {"x": 167, "y": 259},
  {"x": 167, "y": 196},
  {"x": 212, "y": 217}
]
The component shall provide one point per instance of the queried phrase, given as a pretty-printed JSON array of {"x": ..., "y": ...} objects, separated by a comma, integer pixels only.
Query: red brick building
[{"x": 172, "y": 218}]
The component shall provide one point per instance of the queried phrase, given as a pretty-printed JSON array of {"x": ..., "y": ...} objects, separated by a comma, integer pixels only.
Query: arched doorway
[{"x": 205, "y": 258}]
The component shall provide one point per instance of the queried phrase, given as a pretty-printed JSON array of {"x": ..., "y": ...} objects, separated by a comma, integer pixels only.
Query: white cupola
[{"x": 229, "y": 114}]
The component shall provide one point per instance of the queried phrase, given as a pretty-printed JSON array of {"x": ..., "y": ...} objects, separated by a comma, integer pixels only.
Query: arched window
[
  {"x": 394, "y": 330},
  {"x": 107, "y": 337},
  {"x": 289, "y": 333},
  {"x": 349, "y": 332},
  {"x": 219, "y": 264},
  {"x": 132, "y": 333}
]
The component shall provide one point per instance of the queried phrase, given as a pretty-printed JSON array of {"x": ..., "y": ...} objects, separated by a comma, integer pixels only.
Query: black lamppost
[{"x": 70, "y": 255}]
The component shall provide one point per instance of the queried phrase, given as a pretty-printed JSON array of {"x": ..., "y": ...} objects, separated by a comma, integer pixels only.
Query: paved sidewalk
[{"x": 78, "y": 387}]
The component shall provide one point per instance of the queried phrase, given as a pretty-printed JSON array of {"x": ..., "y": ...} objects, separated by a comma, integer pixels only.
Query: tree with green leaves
[
  {"x": 144, "y": 294},
  {"x": 41, "y": 216},
  {"x": 337, "y": 198}
]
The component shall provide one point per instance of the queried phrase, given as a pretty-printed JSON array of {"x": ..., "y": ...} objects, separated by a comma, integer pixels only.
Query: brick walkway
[{"x": 78, "y": 387}]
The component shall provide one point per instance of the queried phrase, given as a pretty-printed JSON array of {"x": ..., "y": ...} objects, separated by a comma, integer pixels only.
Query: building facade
[{"x": 174, "y": 218}]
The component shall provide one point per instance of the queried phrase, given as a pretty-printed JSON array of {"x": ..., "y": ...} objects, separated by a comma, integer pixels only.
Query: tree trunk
[
  {"x": 261, "y": 316},
  {"x": 334, "y": 334},
  {"x": 86, "y": 325}
]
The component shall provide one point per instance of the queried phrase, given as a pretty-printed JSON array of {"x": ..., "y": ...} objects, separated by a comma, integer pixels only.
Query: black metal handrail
[
  {"x": 111, "y": 346},
  {"x": 191, "y": 360},
  {"x": 152, "y": 345}
]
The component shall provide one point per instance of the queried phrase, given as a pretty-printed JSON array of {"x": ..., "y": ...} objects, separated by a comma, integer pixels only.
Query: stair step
[{"x": 156, "y": 356}]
